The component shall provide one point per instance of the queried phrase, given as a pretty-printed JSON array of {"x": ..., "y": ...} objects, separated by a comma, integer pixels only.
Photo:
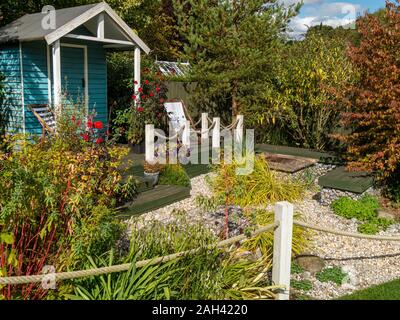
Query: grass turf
[{"x": 385, "y": 291}]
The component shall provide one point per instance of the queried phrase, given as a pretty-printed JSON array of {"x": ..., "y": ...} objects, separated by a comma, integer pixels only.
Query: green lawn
[{"x": 386, "y": 291}]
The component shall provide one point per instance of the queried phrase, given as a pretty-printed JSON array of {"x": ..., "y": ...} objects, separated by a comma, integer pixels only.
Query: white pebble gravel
[{"x": 368, "y": 262}]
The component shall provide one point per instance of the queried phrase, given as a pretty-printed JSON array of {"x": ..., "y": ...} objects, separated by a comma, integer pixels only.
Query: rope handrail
[
  {"x": 345, "y": 233},
  {"x": 124, "y": 267}
]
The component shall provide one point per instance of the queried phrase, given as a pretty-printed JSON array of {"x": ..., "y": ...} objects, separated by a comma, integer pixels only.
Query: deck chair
[
  {"x": 45, "y": 116},
  {"x": 177, "y": 113}
]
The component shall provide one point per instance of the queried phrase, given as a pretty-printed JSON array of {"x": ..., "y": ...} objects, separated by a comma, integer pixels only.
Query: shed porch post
[
  {"x": 56, "y": 53},
  {"x": 137, "y": 69}
]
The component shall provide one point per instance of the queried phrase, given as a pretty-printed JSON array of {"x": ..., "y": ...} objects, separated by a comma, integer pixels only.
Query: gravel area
[{"x": 367, "y": 262}]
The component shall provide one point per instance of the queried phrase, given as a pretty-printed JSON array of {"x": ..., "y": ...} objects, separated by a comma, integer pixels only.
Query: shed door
[{"x": 73, "y": 78}]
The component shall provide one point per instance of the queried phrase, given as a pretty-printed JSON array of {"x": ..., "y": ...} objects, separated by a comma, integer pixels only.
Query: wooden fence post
[{"x": 282, "y": 248}]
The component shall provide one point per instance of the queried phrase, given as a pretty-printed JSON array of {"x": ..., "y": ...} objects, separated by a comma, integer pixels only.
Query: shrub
[
  {"x": 261, "y": 187},
  {"x": 57, "y": 200},
  {"x": 174, "y": 174},
  {"x": 147, "y": 107},
  {"x": 210, "y": 273},
  {"x": 364, "y": 210},
  {"x": 301, "y": 103},
  {"x": 373, "y": 109},
  {"x": 335, "y": 275},
  {"x": 304, "y": 285}
]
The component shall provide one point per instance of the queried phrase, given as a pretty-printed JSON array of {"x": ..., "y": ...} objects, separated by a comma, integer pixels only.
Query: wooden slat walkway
[{"x": 160, "y": 196}]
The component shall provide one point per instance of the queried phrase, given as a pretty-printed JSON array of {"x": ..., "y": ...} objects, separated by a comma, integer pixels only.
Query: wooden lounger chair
[
  {"x": 183, "y": 113},
  {"x": 45, "y": 116}
]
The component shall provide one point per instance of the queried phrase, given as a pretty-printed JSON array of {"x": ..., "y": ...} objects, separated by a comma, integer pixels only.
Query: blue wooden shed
[{"x": 53, "y": 52}]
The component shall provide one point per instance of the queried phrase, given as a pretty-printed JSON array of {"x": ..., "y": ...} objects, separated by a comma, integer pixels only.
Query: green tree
[
  {"x": 231, "y": 45},
  {"x": 301, "y": 101}
]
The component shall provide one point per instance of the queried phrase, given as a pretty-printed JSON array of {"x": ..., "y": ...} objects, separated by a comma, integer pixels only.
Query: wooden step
[{"x": 160, "y": 196}]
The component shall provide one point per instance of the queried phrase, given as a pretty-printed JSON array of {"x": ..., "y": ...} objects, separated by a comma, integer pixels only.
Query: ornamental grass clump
[{"x": 261, "y": 187}]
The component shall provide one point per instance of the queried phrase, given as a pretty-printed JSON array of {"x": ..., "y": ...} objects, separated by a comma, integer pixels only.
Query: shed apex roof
[{"x": 29, "y": 27}]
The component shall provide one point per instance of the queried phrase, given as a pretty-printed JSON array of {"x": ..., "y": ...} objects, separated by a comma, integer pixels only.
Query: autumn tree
[{"x": 373, "y": 103}]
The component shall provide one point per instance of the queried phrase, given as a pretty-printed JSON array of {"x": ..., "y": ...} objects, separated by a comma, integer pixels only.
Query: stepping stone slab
[
  {"x": 310, "y": 263},
  {"x": 287, "y": 163},
  {"x": 341, "y": 179}
]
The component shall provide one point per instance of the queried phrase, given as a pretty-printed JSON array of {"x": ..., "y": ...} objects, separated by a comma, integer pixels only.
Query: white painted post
[
  {"x": 239, "y": 129},
  {"x": 216, "y": 133},
  {"x": 204, "y": 126},
  {"x": 186, "y": 134},
  {"x": 149, "y": 140},
  {"x": 282, "y": 248},
  {"x": 56, "y": 53},
  {"x": 137, "y": 69},
  {"x": 100, "y": 26}
]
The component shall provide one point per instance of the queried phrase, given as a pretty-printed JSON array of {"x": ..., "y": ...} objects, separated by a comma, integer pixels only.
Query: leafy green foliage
[
  {"x": 304, "y": 285},
  {"x": 206, "y": 274},
  {"x": 146, "y": 107},
  {"x": 57, "y": 198},
  {"x": 295, "y": 268},
  {"x": 261, "y": 187},
  {"x": 231, "y": 46},
  {"x": 145, "y": 283},
  {"x": 174, "y": 174},
  {"x": 364, "y": 210},
  {"x": 300, "y": 104},
  {"x": 334, "y": 274}
]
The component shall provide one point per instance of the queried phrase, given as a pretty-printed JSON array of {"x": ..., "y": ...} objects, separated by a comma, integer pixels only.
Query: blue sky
[{"x": 330, "y": 12}]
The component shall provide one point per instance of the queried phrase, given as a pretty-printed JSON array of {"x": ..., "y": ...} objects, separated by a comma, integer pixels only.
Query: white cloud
[{"x": 331, "y": 14}]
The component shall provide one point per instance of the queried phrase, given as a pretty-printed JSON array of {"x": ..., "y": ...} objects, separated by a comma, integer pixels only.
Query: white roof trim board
[{"x": 29, "y": 28}]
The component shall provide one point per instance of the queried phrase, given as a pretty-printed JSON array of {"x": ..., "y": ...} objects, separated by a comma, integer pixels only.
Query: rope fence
[
  {"x": 124, "y": 267},
  {"x": 282, "y": 250}
]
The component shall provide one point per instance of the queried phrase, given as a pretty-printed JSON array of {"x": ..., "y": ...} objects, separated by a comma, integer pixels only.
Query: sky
[{"x": 330, "y": 12}]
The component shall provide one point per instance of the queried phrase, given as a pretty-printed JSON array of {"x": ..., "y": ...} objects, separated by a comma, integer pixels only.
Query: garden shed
[{"x": 51, "y": 56}]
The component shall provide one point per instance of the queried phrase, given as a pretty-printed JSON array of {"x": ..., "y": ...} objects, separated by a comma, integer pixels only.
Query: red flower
[
  {"x": 143, "y": 96},
  {"x": 133, "y": 97},
  {"x": 158, "y": 89},
  {"x": 73, "y": 119},
  {"x": 98, "y": 125},
  {"x": 140, "y": 109},
  {"x": 146, "y": 81},
  {"x": 90, "y": 123},
  {"x": 140, "y": 90},
  {"x": 135, "y": 82},
  {"x": 162, "y": 100},
  {"x": 107, "y": 132},
  {"x": 85, "y": 137},
  {"x": 99, "y": 140},
  {"x": 151, "y": 94}
]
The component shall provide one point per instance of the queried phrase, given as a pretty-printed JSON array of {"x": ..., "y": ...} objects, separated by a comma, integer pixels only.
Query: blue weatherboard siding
[
  {"x": 34, "y": 57},
  {"x": 10, "y": 68}
]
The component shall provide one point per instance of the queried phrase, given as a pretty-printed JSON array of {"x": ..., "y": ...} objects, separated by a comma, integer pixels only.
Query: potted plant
[{"x": 152, "y": 170}]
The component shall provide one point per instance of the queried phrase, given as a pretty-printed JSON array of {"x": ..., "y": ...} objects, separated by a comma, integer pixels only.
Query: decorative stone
[
  {"x": 310, "y": 263},
  {"x": 385, "y": 214}
]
